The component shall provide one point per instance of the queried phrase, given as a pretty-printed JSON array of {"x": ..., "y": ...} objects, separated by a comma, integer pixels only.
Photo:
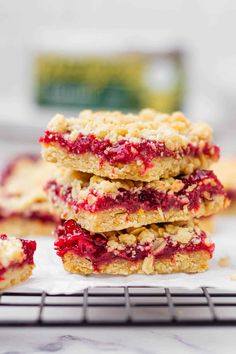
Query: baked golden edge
[
  {"x": 15, "y": 275},
  {"x": 187, "y": 262},
  {"x": 164, "y": 167},
  {"x": 118, "y": 219}
]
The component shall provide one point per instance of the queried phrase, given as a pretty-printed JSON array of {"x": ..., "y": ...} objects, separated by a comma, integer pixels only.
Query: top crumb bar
[{"x": 146, "y": 146}]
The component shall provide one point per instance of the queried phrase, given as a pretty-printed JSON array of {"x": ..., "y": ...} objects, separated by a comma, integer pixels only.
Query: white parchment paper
[{"x": 50, "y": 276}]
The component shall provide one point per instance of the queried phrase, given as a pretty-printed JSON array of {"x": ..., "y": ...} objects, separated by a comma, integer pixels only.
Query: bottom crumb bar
[
  {"x": 154, "y": 249},
  {"x": 16, "y": 260}
]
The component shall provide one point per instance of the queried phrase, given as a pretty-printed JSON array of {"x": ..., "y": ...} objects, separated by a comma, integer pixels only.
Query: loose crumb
[{"x": 223, "y": 262}]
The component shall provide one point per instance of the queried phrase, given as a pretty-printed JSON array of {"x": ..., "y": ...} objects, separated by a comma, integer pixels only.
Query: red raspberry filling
[
  {"x": 72, "y": 238},
  {"x": 147, "y": 199},
  {"x": 29, "y": 248},
  {"x": 125, "y": 151}
]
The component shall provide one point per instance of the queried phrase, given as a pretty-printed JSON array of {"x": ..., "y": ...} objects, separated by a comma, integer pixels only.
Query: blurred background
[{"x": 63, "y": 56}]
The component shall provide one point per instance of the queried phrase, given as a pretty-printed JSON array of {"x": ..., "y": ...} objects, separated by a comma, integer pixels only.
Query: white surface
[
  {"x": 118, "y": 341},
  {"x": 50, "y": 276}
]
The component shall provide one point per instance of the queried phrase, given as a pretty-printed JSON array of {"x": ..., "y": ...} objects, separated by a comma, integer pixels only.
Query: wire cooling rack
[{"x": 120, "y": 306}]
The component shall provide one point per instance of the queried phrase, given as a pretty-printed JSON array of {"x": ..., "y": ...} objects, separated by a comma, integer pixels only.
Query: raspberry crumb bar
[
  {"x": 16, "y": 260},
  {"x": 146, "y": 146},
  {"x": 155, "y": 249},
  {"x": 225, "y": 169},
  {"x": 99, "y": 204},
  {"x": 24, "y": 208}
]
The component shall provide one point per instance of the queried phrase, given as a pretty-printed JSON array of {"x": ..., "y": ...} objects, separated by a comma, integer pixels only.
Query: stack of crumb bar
[{"x": 129, "y": 189}]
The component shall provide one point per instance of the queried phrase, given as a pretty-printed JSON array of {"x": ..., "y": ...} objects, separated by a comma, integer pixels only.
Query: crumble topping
[
  {"x": 148, "y": 264},
  {"x": 184, "y": 235},
  {"x": 127, "y": 239},
  {"x": 175, "y": 130},
  {"x": 145, "y": 236},
  {"x": 11, "y": 250},
  {"x": 153, "y": 234},
  {"x": 58, "y": 124},
  {"x": 83, "y": 183}
]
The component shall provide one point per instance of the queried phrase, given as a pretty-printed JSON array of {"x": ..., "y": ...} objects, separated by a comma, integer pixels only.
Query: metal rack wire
[{"x": 120, "y": 306}]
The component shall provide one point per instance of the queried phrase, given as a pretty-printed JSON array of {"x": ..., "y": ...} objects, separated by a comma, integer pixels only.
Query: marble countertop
[{"x": 205, "y": 340}]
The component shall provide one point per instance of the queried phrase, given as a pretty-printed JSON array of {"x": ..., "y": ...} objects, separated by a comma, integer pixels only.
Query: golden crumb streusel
[
  {"x": 83, "y": 183},
  {"x": 11, "y": 250},
  {"x": 182, "y": 233},
  {"x": 174, "y": 130}
]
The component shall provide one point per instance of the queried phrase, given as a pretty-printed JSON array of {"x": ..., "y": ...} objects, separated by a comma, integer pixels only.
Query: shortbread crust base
[
  {"x": 191, "y": 262},
  {"x": 15, "y": 275},
  {"x": 21, "y": 227},
  {"x": 164, "y": 167},
  {"x": 118, "y": 219}
]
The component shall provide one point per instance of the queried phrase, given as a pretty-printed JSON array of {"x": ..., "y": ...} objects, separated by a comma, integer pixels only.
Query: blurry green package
[{"x": 128, "y": 78}]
